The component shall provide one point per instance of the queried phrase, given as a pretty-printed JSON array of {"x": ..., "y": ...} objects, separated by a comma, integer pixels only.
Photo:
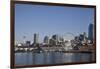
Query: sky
[{"x": 50, "y": 20}]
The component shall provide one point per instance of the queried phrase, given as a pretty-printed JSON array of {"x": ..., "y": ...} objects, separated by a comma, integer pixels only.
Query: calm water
[{"x": 50, "y": 58}]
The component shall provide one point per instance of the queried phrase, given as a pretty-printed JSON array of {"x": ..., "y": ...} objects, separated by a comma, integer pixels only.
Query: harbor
[
  {"x": 29, "y": 58},
  {"x": 56, "y": 49}
]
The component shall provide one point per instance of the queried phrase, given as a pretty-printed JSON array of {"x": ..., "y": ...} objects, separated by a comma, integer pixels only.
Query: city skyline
[{"x": 49, "y": 20}]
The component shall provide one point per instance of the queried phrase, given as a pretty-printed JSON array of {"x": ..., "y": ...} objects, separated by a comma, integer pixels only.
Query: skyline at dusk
[{"x": 50, "y": 20}]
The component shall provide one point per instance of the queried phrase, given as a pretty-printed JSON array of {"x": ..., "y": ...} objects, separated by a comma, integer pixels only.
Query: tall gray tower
[
  {"x": 36, "y": 38},
  {"x": 90, "y": 32}
]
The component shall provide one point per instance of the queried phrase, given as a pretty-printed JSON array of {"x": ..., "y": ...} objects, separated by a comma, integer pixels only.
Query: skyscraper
[
  {"x": 81, "y": 37},
  {"x": 90, "y": 32},
  {"x": 36, "y": 38},
  {"x": 46, "y": 39},
  {"x": 55, "y": 38}
]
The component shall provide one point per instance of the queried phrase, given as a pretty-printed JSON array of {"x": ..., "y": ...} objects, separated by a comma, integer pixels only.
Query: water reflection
[{"x": 50, "y": 58}]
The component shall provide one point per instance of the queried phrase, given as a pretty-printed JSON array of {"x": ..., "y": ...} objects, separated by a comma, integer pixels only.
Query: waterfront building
[
  {"x": 60, "y": 40},
  {"x": 76, "y": 38},
  {"x": 68, "y": 45},
  {"x": 28, "y": 43},
  {"x": 82, "y": 38},
  {"x": 51, "y": 42},
  {"x": 19, "y": 44}
]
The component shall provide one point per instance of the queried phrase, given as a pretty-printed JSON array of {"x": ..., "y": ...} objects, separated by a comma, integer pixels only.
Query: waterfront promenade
[{"x": 38, "y": 49}]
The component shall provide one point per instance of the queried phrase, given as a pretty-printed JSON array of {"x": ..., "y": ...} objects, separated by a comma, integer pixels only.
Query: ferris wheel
[{"x": 68, "y": 36}]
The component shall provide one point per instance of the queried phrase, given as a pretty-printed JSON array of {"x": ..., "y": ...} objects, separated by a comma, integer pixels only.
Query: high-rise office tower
[
  {"x": 55, "y": 38},
  {"x": 46, "y": 39},
  {"x": 36, "y": 38},
  {"x": 81, "y": 37},
  {"x": 90, "y": 32}
]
